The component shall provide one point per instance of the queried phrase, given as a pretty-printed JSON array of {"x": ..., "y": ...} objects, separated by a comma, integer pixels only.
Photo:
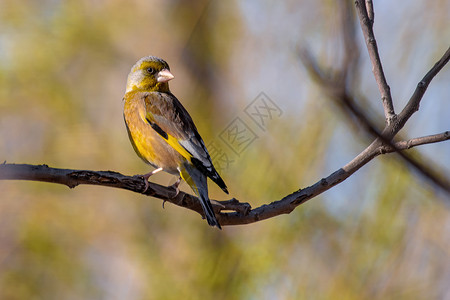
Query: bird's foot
[
  {"x": 175, "y": 187},
  {"x": 147, "y": 176},
  {"x": 146, "y": 183}
]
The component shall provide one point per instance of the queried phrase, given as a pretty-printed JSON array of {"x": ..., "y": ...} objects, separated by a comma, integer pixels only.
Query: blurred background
[{"x": 383, "y": 233}]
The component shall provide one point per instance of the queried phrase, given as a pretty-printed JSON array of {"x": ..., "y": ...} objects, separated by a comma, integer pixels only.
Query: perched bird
[{"x": 163, "y": 134}]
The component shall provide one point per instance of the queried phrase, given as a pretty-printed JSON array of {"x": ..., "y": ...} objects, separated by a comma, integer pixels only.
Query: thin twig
[
  {"x": 413, "y": 104},
  {"x": 370, "y": 12},
  {"x": 366, "y": 22},
  {"x": 404, "y": 145}
]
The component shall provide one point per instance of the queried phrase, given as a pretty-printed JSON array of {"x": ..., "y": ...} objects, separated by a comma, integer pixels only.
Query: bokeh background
[{"x": 382, "y": 234}]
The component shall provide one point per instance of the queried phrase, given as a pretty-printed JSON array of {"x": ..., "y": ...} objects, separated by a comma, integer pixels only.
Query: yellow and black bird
[{"x": 163, "y": 134}]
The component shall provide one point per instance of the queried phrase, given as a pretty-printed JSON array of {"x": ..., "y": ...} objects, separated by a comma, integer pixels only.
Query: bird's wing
[{"x": 170, "y": 120}]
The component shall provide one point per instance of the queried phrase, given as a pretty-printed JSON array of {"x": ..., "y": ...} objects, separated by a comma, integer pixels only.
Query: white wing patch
[{"x": 198, "y": 152}]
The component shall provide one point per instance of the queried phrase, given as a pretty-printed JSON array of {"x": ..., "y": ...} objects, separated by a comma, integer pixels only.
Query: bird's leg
[
  {"x": 174, "y": 186},
  {"x": 147, "y": 176}
]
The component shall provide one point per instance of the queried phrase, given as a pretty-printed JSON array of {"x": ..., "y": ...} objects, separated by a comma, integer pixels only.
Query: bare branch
[
  {"x": 413, "y": 104},
  {"x": 370, "y": 12},
  {"x": 366, "y": 22},
  {"x": 335, "y": 85},
  {"x": 242, "y": 212},
  {"x": 73, "y": 178},
  {"x": 404, "y": 145},
  {"x": 337, "y": 91}
]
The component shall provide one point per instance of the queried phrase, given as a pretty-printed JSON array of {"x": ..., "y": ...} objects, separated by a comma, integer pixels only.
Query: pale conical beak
[{"x": 164, "y": 76}]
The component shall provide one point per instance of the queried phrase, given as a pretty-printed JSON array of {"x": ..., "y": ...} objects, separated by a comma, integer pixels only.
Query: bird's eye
[{"x": 150, "y": 70}]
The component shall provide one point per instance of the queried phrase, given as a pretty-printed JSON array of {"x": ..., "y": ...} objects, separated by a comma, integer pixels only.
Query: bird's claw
[
  {"x": 147, "y": 176},
  {"x": 175, "y": 187},
  {"x": 146, "y": 184},
  {"x": 177, "y": 191}
]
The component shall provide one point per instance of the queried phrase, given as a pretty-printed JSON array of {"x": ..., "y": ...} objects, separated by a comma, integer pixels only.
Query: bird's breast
[{"x": 147, "y": 143}]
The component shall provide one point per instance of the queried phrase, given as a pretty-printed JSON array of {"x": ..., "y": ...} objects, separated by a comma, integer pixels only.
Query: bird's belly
[
  {"x": 157, "y": 152},
  {"x": 151, "y": 147}
]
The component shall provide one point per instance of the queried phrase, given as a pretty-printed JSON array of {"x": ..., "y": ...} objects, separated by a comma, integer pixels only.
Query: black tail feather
[
  {"x": 219, "y": 181},
  {"x": 197, "y": 180},
  {"x": 209, "y": 212},
  {"x": 212, "y": 173}
]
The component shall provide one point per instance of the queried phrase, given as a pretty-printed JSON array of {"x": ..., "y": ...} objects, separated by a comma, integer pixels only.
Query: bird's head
[{"x": 150, "y": 74}]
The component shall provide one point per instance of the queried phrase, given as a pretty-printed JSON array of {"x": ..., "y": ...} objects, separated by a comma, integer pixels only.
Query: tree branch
[
  {"x": 336, "y": 90},
  {"x": 73, "y": 178},
  {"x": 370, "y": 12},
  {"x": 364, "y": 8},
  {"x": 336, "y": 86},
  {"x": 413, "y": 104},
  {"x": 242, "y": 211},
  {"x": 404, "y": 145}
]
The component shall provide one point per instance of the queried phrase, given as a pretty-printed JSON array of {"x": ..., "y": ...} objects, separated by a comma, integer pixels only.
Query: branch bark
[
  {"x": 414, "y": 102},
  {"x": 366, "y": 15},
  {"x": 404, "y": 145},
  {"x": 242, "y": 213}
]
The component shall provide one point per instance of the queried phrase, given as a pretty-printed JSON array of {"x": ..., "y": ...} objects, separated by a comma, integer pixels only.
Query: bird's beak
[{"x": 164, "y": 76}]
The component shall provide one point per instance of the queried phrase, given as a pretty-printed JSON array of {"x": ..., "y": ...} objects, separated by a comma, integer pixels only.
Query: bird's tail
[{"x": 197, "y": 181}]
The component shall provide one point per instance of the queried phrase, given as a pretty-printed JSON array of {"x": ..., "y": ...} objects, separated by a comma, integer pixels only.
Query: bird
[{"x": 163, "y": 133}]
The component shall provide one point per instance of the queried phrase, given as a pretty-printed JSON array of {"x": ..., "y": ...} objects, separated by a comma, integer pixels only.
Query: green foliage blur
[{"x": 382, "y": 234}]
